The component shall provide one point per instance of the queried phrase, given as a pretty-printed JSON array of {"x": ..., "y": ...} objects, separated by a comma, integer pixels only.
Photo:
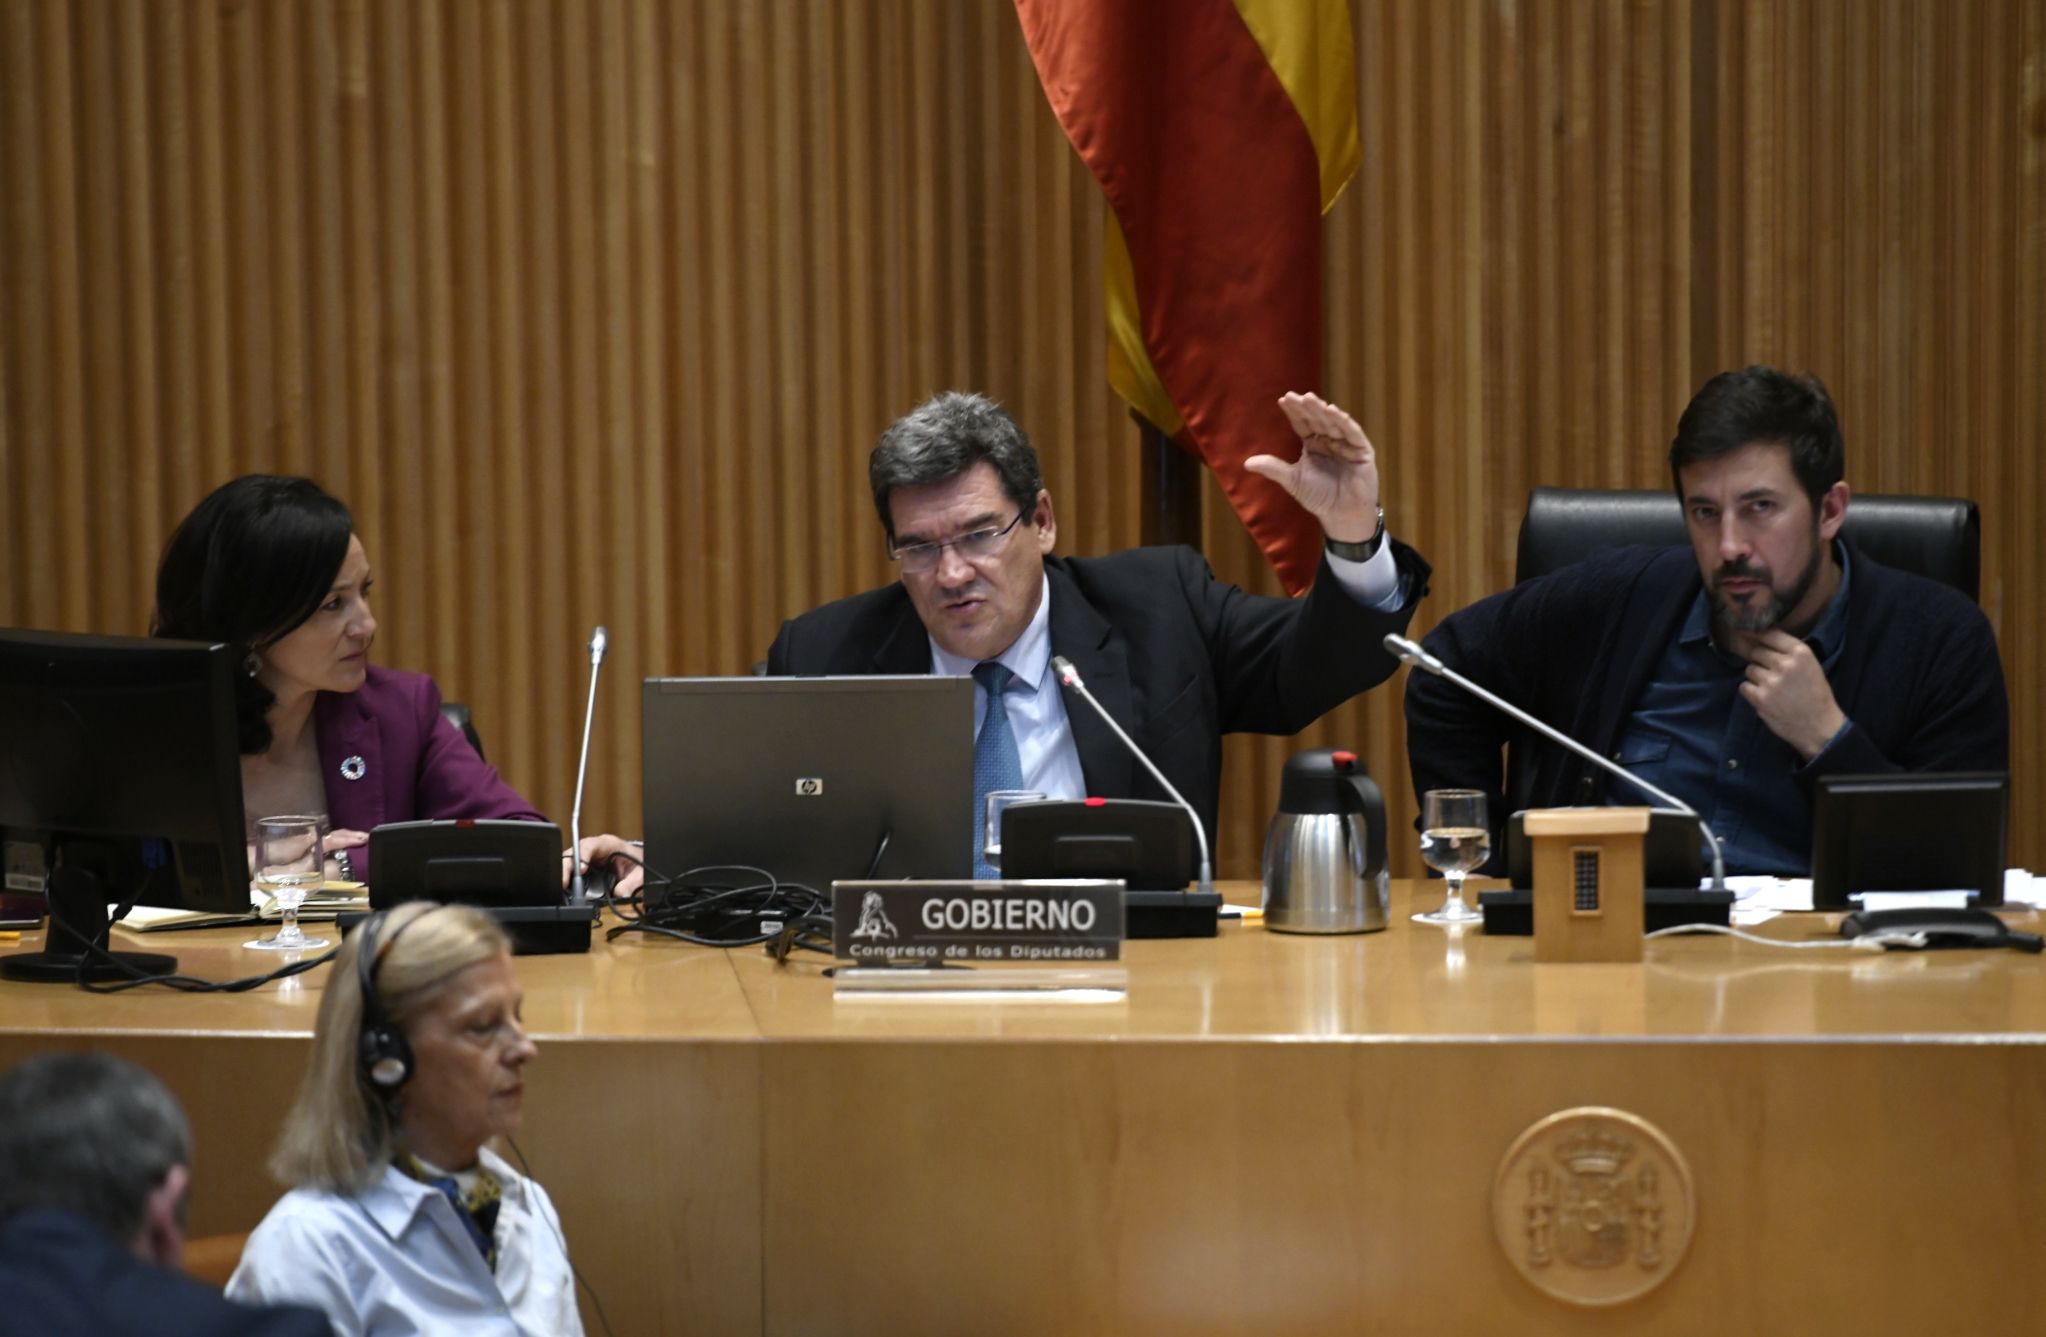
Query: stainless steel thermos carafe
[{"x": 1325, "y": 860}]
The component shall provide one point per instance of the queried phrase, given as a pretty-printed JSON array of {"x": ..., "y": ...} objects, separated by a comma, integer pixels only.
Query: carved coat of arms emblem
[{"x": 1593, "y": 1205}]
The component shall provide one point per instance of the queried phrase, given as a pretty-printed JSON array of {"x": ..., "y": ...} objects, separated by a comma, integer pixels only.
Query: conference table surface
[
  {"x": 1414, "y": 981},
  {"x": 1270, "y": 1131}
]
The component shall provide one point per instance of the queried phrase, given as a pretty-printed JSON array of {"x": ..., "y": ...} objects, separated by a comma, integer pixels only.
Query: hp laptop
[{"x": 809, "y": 779}]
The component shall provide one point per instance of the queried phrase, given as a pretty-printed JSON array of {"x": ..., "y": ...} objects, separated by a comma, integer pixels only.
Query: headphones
[{"x": 383, "y": 1054}]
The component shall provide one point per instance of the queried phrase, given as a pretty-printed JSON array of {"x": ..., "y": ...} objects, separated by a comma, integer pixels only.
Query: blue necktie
[{"x": 996, "y": 762}]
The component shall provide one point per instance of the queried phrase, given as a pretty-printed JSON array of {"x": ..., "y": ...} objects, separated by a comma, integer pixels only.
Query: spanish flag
[{"x": 1220, "y": 131}]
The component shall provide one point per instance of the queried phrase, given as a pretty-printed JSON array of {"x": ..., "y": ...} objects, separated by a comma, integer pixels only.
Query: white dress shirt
[
  {"x": 1037, "y": 709},
  {"x": 396, "y": 1260}
]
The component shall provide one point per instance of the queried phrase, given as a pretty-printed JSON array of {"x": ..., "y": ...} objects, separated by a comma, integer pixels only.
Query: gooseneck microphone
[
  {"x": 1070, "y": 677},
  {"x": 1413, "y": 654},
  {"x": 600, "y": 641}
]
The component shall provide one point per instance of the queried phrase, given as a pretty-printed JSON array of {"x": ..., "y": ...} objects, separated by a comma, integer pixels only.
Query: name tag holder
[{"x": 1037, "y": 940}]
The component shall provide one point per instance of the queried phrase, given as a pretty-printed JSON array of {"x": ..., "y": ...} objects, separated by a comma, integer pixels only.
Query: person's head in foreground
[
  {"x": 94, "y": 1178},
  {"x": 430, "y": 1066},
  {"x": 100, "y": 1138},
  {"x": 401, "y": 1217}
]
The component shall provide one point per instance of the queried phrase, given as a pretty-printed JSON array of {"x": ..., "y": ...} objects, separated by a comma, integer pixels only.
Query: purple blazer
[{"x": 387, "y": 754}]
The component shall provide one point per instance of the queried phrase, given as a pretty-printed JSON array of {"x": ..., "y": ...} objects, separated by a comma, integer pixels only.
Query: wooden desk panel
[
  {"x": 643, "y": 1115},
  {"x": 1271, "y": 1133},
  {"x": 1252, "y": 1187}
]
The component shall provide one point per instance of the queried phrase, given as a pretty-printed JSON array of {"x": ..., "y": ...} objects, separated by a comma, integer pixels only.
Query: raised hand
[{"x": 1336, "y": 475}]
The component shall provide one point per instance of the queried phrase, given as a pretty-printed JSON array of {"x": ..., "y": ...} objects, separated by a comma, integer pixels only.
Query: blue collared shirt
[
  {"x": 397, "y": 1259},
  {"x": 1693, "y": 734},
  {"x": 1037, "y": 709}
]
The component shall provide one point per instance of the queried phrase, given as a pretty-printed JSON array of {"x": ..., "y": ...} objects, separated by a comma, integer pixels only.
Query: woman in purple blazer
[{"x": 273, "y": 567}]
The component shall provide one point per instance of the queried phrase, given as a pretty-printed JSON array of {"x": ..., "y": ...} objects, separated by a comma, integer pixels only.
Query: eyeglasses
[{"x": 980, "y": 543}]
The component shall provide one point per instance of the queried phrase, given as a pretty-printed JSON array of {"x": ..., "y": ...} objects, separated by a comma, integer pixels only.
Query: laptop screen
[{"x": 809, "y": 779}]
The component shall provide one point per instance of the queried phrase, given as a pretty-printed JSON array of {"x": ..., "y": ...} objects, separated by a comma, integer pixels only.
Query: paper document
[
  {"x": 333, "y": 899},
  {"x": 1756, "y": 898},
  {"x": 1914, "y": 900}
]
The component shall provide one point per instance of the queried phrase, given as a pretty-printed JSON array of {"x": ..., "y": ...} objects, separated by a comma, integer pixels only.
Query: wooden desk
[{"x": 1271, "y": 1133}]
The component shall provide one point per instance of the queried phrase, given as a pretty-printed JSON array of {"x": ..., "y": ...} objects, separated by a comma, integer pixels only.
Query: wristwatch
[
  {"x": 1359, "y": 552},
  {"x": 341, "y": 862}
]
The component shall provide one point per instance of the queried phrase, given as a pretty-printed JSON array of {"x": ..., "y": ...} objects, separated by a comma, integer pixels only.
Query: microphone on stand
[
  {"x": 578, "y": 893},
  {"x": 1411, "y": 653},
  {"x": 1070, "y": 677}
]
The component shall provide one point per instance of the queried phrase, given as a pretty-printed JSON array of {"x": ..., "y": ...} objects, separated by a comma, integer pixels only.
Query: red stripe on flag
[{"x": 1212, "y": 174}]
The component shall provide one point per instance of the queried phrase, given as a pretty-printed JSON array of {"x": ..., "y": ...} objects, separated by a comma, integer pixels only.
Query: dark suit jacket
[
  {"x": 60, "y": 1274},
  {"x": 1917, "y": 677},
  {"x": 1177, "y": 657},
  {"x": 415, "y": 765}
]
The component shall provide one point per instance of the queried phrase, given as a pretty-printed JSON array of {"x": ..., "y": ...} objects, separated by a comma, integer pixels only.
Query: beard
[{"x": 1768, "y": 610}]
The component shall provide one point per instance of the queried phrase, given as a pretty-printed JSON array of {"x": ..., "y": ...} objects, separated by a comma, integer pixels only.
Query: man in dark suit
[
  {"x": 1176, "y": 656},
  {"x": 1733, "y": 672},
  {"x": 93, "y": 1173}
]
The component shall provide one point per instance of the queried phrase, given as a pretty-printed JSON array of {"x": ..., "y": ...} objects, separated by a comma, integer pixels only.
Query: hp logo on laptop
[{"x": 809, "y": 786}]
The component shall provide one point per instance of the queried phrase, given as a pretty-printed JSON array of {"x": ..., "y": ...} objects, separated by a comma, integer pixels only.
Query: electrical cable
[
  {"x": 809, "y": 933},
  {"x": 784, "y": 916},
  {"x": 724, "y": 913},
  {"x": 182, "y": 983},
  {"x": 1868, "y": 942},
  {"x": 581, "y": 1280}
]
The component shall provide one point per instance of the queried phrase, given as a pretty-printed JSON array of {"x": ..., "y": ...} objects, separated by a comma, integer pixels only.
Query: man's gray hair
[
  {"x": 942, "y": 438},
  {"x": 87, "y": 1133}
]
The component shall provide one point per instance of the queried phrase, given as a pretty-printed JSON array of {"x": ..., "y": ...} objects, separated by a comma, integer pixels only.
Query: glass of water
[
  {"x": 998, "y": 802},
  {"x": 290, "y": 866},
  {"x": 1455, "y": 838}
]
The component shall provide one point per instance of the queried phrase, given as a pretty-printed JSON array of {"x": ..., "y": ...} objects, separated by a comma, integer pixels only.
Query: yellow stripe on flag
[
  {"x": 1129, "y": 365},
  {"x": 1309, "y": 45}
]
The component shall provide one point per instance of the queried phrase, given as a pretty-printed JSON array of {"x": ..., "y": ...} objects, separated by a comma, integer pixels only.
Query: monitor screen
[
  {"x": 118, "y": 758},
  {"x": 810, "y": 779},
  {"x": 1923, "y": 831}
]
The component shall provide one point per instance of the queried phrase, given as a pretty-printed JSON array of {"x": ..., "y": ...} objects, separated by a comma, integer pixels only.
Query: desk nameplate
[{"x": 1057, "y": 921}]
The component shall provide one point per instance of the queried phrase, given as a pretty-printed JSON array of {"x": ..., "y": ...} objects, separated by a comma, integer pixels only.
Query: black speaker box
[{"x": 1149, "y": 845}]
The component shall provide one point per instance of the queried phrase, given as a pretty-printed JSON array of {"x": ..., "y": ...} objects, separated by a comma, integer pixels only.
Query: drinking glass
[
  {"x": 290, "y": 866},
  {"x": 1455, "y": 838},
  {"x": 998, "y": 801}
]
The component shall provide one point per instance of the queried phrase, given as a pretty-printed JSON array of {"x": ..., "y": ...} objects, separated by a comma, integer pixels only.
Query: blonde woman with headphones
[{"x": 400, "y": 1218}]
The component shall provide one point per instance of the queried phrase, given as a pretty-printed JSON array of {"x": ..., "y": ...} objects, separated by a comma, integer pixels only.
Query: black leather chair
[
  {"x": 457, "y": 714},
  {"x": 1940, "y": 537}
]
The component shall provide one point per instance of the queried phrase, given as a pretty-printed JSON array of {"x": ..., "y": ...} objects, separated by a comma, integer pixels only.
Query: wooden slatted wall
[
  {"x": 591, "y": 310},
  {"x": 1569, "y": 216}
]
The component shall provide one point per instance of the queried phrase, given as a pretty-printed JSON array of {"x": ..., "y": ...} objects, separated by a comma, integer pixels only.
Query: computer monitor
[
  {"x": 809, "y": 778},
  {"x": 1909, "y": 831},
  {"x": 120, "y": 783}
]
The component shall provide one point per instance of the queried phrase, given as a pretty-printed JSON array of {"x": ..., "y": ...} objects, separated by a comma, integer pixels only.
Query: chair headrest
[{"x": 1939, "y": 537}]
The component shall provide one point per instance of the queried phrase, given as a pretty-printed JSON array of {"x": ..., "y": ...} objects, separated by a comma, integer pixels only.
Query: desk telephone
[{"x": 1938, "y": 927}]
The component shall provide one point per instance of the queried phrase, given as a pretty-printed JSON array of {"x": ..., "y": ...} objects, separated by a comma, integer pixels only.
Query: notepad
[{"x": 335, "y": 898}]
